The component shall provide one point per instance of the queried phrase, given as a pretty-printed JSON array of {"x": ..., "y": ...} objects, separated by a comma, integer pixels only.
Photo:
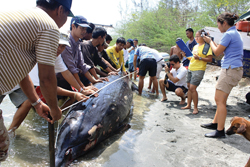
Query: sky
[{"x": 96, "y": 11}]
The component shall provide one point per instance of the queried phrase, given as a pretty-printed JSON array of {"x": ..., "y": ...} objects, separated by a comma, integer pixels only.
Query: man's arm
[
  {"x": 135, "y": 59},
  {"x": 48, "y": 85},
  {"x": 109, "y": 65},
  {"x": 102, "y": 74},
  {"x": 67, "y": 75},
  {"x": 170, "y": 75},
  {"x": 93, "y": 72}
]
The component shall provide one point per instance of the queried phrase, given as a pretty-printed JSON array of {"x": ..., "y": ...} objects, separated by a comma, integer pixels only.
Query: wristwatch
[
  {"x": 200, "y": 58},
  {"x": 38, "y": 101}
]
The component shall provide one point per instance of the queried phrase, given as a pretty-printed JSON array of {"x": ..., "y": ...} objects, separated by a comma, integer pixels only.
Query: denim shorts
[{"x": 131, "y": 67}]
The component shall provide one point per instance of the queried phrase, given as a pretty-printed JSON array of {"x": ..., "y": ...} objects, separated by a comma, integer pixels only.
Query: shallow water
[{"x": 29, "y": 147}]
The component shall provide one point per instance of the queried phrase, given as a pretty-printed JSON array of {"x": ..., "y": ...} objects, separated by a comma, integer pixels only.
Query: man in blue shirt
[{"x": 190, "y": 44}]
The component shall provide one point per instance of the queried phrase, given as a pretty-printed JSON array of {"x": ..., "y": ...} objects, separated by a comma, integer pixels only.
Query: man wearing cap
[
  {"x": 190, "y": 44},
  {"x": 73, "y": 58},
  {"x": 88, "y": 34},
  {"x": 38, "y": 34},
  {"x": 90, "y": 53}
]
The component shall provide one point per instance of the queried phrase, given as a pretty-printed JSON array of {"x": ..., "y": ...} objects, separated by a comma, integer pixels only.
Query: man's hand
[
  {"x": 89, "y": 92},
  {"x": 79, "y": 96},
  {"x": 119, "y": 69},
  {"x": 166, "y": 69},
  {"x": 43, "y": 111},
  {"x": 183, "y": 54},
  {"x": 104, "y": 79},
  {"x": 113, "y": 73}
]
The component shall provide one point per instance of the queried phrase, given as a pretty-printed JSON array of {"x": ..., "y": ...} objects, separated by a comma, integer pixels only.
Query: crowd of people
[
  {"x": 57, "y": 65},
  {"x": 181, "y": 81}
]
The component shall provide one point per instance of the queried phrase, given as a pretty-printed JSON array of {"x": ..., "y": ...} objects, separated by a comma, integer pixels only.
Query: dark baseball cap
[
  {"x": 67, "y": 5},
  {"x": 80, "y": 20},
  {"x": 130, "y": 41}
]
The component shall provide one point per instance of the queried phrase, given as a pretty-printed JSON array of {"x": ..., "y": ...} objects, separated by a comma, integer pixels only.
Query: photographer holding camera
[
  {"x": 196, "y": 70},
  {"x": 175, "y": 80},
  {"x": 231, "y": 69}
]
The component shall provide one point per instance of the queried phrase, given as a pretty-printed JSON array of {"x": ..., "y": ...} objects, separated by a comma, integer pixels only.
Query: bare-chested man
[{"x": 176, "y": 50}]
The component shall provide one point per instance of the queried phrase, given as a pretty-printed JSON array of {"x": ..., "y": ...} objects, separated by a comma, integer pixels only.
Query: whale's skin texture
[{"x": 93, "y": 121}]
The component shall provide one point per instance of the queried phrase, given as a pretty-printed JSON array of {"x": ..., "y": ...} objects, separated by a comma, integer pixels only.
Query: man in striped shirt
[{"x": 29, "y": 37}]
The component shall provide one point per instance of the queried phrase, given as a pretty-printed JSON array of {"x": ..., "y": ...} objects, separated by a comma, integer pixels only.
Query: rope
[
  {"x": 97, "y": 91},
  {"x": 57, "y": 129}
]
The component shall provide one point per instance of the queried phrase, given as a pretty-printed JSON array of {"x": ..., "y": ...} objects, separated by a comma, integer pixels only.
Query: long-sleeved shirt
[
  {"x": 91, "y": 56},
  {"x": 73, "y": 59}
]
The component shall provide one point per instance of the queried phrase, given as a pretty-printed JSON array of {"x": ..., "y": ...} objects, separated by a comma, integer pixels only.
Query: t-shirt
[
  {"x": 196, "y": 64},
  {"x": 116, "y": 57},
  {"x": 144, "y": 52},
  {"x": 233, "y": 57},
  {"x": 59, "y": 67},
  {"x": 131, "y": 56},
  {"x": 125, "y": 55},
  {"x": 157, "y": 55},
  {"x": 181, "y": 74},
  {"x": 27, "y": 37},
  {"x": 191, "y": 45}
]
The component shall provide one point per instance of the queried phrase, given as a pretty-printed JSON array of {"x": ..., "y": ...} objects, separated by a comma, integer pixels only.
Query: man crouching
[{"x": 175, "y": 80}]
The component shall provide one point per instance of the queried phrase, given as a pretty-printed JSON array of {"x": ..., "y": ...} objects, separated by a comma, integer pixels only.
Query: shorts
[
  {"x": 148, "y": 65},
  {"x": 159, "y": 68},
  {"x": 195, "y": 77},
  {"x": 131, "y": 67},
  {"x": 228, "y": 79},
  {"x": 172, "y": 87},
  {"x": 17, "y": 97}
]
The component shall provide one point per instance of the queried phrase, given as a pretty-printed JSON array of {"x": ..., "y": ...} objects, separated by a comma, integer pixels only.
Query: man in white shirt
[{"x": 175, "y": 80}]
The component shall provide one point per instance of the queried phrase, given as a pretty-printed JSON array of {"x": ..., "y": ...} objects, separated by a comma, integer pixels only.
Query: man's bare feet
[
  {"x": 182, "y": 101},
  {"x": 164, "y": 99},
  {"x": 186, "y": 107},
  {"x": 195, "y": 111}
]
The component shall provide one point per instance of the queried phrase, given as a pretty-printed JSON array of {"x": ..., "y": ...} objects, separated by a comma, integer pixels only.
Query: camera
[
  {"x": 163, "y": 65},
  {"x": 204, "y": 33}
]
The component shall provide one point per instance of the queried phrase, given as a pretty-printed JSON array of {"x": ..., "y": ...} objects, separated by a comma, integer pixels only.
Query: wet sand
[{"x": 161, "y": 134}]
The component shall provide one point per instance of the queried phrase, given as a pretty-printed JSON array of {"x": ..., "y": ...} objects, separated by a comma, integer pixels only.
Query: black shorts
[
  {"x": 172, "y": 87},
  {"x": 149, "y": 65}
]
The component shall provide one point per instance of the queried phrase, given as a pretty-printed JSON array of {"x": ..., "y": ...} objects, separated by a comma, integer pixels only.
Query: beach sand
[{"x": 175, "y": 138}]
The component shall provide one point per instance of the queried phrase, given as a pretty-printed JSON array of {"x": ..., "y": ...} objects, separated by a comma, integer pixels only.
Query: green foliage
[{"x": 160, "y": 27}]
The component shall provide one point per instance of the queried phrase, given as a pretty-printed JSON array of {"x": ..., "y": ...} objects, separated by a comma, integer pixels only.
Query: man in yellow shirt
[{"x": 115, "y": 53}]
